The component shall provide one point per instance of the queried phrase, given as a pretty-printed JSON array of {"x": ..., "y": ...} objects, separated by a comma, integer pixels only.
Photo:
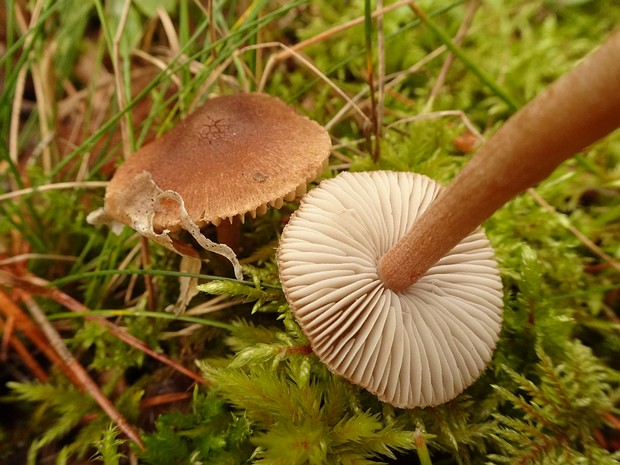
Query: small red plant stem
[
  {"x": 421, "y": 448},
  {"x": 575, "y": 111}
]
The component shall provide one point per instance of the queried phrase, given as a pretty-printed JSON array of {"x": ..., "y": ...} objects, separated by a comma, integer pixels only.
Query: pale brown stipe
[
  {"x": 575, "y": 111},
  {"x": 416, "y": 348},
  {"x": 234, "y": 155}
]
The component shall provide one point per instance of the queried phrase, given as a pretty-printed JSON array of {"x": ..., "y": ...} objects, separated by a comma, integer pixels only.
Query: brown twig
[
  {"x": 80, "y": 374},
  {"x": 34, "y": 334},
  {"x": 39, "y": 286},
  {"x": 7, "y": 335}
]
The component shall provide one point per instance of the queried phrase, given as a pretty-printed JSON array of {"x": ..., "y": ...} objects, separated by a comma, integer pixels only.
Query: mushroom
[
  {"x": 415, "y": 348},
  {"x": 575, "y": 111},
  {"x": 233, "y": 156}
]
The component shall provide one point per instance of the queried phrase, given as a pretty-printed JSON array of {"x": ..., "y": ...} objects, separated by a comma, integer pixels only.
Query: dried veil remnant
[
  {"x": 233, "y": 156},
  {"x": 415, "y": 348}
]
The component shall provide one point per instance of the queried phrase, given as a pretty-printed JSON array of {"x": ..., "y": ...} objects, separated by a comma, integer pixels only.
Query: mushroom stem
[
  {"x": 575, "y": 111},
  {"x": 229, "y": 233}
]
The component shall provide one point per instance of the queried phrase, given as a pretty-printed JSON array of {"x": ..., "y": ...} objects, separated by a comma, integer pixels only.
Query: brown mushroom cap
[
  {"x": 415, "y": 348},
  {"x": 234, "y": 155}
]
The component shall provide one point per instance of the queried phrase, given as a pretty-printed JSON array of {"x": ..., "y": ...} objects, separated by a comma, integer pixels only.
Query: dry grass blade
[
  {"x": 330, "y": 33},
  {"x": 118, "y": 77},
  {"x": 261, "y": 85},
  {"x": 9, "y": 339},
  {"x": 21, "y": 80},
  {"x": 472, "y": 6},
  {"x": 36, "y": 256},
  {"x": 12, "y": 311},
  {"x": 440, "y": 114},
  {"x": 55, "y": 186},
  {"x": 585, "y": 240},
  {"x": 380, "y": 77},
  {"x": 392, "y": 81}
]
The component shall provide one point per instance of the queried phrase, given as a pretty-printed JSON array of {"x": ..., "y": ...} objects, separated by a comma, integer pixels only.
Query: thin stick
[
  {"x": 163, "y": 399},
  {"x": 458, "y": 38},
  {"x": 81, "y": 374},
  {"x": 575, "y": 111},
  {"x": 39, "y": 286},
  {"x": 25, "y": 325}
]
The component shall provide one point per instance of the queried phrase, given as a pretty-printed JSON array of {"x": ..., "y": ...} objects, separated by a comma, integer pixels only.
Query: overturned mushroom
[
  {"x": 235, "y": 155},
  {"x": 415, "y": 348},
  {"x": 576, "y": 110}
]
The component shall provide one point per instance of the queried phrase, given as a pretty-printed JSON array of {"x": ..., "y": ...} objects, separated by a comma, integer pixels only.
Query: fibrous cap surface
[{"x": 234, "y": 155}]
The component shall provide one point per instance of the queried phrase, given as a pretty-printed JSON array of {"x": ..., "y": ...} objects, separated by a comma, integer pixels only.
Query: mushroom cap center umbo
[
  {"x": 415, "y": 348},
  {"x": 234, "y": 155}
]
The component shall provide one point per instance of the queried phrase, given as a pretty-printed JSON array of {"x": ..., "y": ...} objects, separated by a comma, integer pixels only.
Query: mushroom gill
[{"x": 415, "y": 348}]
